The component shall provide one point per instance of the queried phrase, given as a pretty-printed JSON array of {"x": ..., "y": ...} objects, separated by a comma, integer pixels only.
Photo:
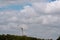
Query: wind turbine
[{"x": 22, "y": 29}]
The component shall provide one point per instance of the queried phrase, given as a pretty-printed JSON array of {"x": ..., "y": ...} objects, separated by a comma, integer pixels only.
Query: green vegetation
[{"x": 14, "y": 37}]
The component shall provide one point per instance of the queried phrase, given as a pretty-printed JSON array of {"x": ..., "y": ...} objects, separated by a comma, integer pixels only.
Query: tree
[{"x": 58, "y": 38}]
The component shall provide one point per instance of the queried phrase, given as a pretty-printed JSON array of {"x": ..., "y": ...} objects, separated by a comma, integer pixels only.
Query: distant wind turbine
[{"x": 22, "y": 31}]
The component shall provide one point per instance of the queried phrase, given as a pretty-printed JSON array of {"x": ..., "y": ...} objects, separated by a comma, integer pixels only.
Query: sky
[{"x": 39, "y": 18}]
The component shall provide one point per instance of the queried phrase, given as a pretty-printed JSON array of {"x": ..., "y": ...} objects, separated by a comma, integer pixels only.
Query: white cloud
[
  {"x": 30, "y": 15},
  {"x": 45, "y": 19},
  {"x": 7, "y": 2},
  {"x": 39, "y": 7},
  {"x": 28, "y": 12},
  {"x": 53, "y": 7},
  {"x": 57, "y": 0},
  {"x": 49, "y": 19},
  {"x": 13, "y": 19},
  {"x": 36, "y": 15},
  {"x": 24, "y": 26},
  {"x": 3, "y": 27}
]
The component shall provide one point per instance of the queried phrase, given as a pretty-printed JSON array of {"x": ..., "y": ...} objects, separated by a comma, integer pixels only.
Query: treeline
[
  {"x": 58, "y": 38},
  {"x": 15, "y": 37}
]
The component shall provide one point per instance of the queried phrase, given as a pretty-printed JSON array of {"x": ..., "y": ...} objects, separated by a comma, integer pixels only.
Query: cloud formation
[{"x": 41, "y": 18}]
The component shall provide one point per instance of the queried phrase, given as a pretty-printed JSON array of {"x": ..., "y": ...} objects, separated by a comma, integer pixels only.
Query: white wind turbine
[
  {"x": 23, "y": 27},
  {"x": 20, "y": 27}
]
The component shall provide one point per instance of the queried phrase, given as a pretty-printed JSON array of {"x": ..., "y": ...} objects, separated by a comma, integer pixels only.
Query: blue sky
[
  {"x": 14, "y": 6},
  {"x": 51, "y": 0},
  {"x": 39, "y": 18},
  {"x": 17, "y": 6}
]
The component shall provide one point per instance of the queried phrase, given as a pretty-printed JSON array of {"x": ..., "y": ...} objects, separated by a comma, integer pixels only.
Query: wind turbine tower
[{"x": 22, "y": 31}]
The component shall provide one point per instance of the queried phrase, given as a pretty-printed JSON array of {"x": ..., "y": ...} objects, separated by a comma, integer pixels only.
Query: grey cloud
[
  {"x": 45, "y": 24},
  {"x": 9, "y": 2},
  {"x": 43, "y": 31}
]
